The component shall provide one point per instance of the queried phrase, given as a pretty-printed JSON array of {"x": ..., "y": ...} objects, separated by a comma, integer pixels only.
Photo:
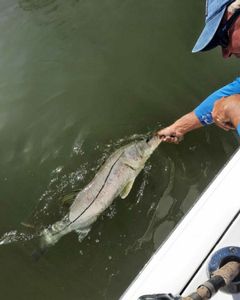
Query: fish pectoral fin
[
  {"x": 131, "y": 166},
  {"x": 126, "y": 190},
  {"x": 82, "y": 233}
]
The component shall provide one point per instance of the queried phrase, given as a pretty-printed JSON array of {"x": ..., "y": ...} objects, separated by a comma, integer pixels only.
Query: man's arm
[{"x": 202, "y": 115}]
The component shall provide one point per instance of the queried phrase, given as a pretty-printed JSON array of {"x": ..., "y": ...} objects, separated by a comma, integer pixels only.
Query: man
[{"x": 222, "y": 28}]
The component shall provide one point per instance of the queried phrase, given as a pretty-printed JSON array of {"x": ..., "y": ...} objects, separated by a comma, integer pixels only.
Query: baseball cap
[{"x": 215, "y": 10}]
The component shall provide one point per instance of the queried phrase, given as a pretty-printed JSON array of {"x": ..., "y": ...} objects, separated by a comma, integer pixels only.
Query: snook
[{"x": 114, "y": 178}]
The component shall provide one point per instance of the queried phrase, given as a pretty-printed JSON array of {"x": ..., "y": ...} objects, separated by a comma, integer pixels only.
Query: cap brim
[{"x": 208, "y": 32}]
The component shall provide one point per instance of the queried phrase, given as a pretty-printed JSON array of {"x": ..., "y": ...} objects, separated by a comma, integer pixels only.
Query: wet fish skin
[{"x": 114, "y": 178}]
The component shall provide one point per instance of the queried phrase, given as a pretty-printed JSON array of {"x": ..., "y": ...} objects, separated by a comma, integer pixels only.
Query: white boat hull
[{"x": 179, "y": 265}]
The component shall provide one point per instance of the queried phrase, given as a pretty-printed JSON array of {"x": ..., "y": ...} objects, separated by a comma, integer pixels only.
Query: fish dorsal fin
[
  {"x": 68, "y": 199},
  {"x": 126, "y": 190}
]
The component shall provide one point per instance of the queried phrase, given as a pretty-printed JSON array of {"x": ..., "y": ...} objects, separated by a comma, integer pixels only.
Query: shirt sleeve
[
  {"x": 204, "y": 110},
  {"x": 238, "y": 129}
]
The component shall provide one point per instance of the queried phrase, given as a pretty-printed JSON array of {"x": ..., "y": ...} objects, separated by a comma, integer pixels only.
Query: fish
[{"x": 115, "y": 178}]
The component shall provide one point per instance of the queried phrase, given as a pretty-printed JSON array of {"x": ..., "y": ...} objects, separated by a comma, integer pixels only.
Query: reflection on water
[
  {"x": 15, "y": 236},
  {"x": 78, "y": 79},
  {"x": 170, "y": 213}
]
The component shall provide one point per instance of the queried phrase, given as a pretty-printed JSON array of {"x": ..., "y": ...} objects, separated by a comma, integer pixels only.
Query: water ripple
[{"x": 15, "y": 236}]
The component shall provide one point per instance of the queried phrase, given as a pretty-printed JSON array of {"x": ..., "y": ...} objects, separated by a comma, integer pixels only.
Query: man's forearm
[{"x": 187, "y": 123}]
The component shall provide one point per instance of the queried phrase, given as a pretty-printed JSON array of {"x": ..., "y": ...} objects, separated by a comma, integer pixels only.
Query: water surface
[{"x": 78, "y": 79}]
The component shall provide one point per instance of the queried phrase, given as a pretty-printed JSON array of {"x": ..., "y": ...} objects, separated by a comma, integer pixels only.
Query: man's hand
[
  {"x": 234, "y": 6},
  {"x": 221, "y": 115},
  {"x": 175, "y": 132},
  {"x": 170, "y": 135},
  {"x": 226, "y": 112}
]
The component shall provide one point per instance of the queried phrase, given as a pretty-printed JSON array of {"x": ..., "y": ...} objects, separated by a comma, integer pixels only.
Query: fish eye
[{"x": 147, "y": 140}]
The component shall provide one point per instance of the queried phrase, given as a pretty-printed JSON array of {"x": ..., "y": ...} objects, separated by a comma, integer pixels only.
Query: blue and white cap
[{"x": 215, "y": 10}]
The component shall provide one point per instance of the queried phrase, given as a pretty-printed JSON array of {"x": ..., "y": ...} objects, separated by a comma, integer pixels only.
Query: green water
[{"x": 77, "y": 80}]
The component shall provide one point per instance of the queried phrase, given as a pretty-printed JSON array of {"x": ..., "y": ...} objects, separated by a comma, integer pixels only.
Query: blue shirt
[{"x": 204, "y": 110}]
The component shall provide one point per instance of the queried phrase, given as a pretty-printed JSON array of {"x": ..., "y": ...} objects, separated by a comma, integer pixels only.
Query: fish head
[{"x": 146, "y": 147}]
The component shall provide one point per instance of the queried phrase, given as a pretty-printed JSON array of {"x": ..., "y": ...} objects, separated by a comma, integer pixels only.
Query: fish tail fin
[
  {"x": 50, "y": 236},
  {"x": 38, "y": 253},
  {"x": 47, "y": 239}
]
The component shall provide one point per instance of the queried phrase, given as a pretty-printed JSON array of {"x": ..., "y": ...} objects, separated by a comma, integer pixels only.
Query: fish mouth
[{"x": 150, "y": 136}]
